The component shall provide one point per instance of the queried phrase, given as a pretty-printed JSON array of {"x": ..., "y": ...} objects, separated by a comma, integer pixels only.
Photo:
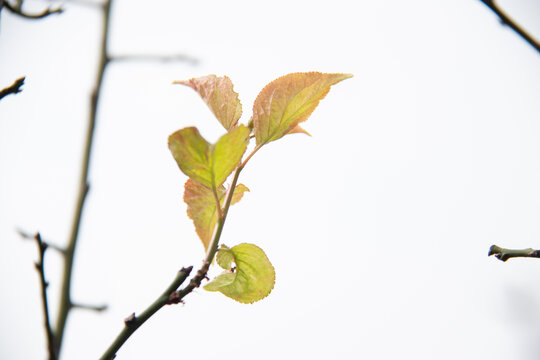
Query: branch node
[
  {"x": 174, "y": 298},
  {"x": 130, "y": 320},
  {"x": 44, "y": 243}
]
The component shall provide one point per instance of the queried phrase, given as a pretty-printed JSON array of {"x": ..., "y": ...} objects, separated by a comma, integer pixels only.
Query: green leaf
[
  {"x": 220, "y": 97},
  {"x": 224, "y": 279},
  {"x": 252, "y": 280},
  {"x": 225, "y": 257},
  {"x": 208, "y": 164},
  {"x": 202, "y": 209},
  {"x": 288, "y": 101},
  {"x": 228, "y": 152}
]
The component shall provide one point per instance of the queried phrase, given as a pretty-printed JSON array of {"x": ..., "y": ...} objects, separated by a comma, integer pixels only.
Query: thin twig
[
  {"x": 87, "y": 3},
  {"x": 26, "y": 235},
  {"x": 98, "y": 308},
  {"x": 505, "y": 254},
  {"x": 156, "y": 58},
  {"x": 506, "y": 20},
  {"x": 18, "y": 10},
  {"x": 133, "y": 322},
  {"x": 65, "y": 298},
  {"x": 14, "y": 88},
  {"x": 51, "y": 341}
]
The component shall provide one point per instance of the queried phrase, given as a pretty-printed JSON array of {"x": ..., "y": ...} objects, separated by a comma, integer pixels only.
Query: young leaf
[
  {"x": 222, "y": 280},
  {"x": 225, "y": 257},
  {"x": 252, "y": 280},
  {"x": 288, "y": 101},
  {"x": 203, "y": 162},
  {"x": 220, "y": 97},
  {"x": 201, "y": 207}
]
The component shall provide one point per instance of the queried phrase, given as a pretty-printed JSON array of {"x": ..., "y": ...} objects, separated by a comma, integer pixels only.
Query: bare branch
[
  {"x": 505, "y": 254},
  {"x": 156, "y": 58},
  {"x": 133, "y": 322},
  {"x": 65, "y": 304},
  {"x": 14, "y": 88},
  {"x": 506, "y": 20},
  {"x": 19, "y": 11},
  {"x": 87, "y": 3},
  {"x": 51, "y": 340},
  {"x": 98, "y": 308}
]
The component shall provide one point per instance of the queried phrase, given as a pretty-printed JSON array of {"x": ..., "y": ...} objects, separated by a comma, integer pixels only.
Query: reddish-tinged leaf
[
  {"x": 220, "y": 97},
  {"x": 288, "y": 101},
  {"x": 238, "y": 193},
  {"x": 202, "y": 209},
  {"x": 299, "y": 130}
]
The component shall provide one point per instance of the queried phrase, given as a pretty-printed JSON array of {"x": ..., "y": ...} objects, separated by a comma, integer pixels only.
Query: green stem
[
  {"x": 65, "y": 300},
  {"x": 132, "y": 323},
  {"x": 505, "y": 254},
  {"x": 212, "y": 249},
  {"x": 218, "y": 203}
]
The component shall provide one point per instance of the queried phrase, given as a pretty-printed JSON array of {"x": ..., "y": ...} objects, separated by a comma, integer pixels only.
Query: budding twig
[{"x": 505, "y": 254}]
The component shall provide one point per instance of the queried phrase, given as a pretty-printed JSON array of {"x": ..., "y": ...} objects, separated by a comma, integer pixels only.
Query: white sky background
[{"x": 378, "y": 225}]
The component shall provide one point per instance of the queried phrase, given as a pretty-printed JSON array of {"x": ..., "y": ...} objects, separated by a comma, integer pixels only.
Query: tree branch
[
  {"x": 65, "y": 304},
  {"x": 18, "y": 11},
  {"x": 505, "y": 254},
  {"x": 156, "y": 58},
  {"x": 98, "y": 308},
  {"x": 51, "y": 341},
  {"x": 86, "y": 3},
  {"x": 172, "y": 296},
  {"x": 26, "y": 235},
  {"x": 133, "y": 322},
  {"x": 14, "y": 88},
  {"x": 506, "y": 20}
]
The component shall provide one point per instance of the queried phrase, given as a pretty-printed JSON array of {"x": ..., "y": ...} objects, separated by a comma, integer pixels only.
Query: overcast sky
[{"x": 378, "y": 225}]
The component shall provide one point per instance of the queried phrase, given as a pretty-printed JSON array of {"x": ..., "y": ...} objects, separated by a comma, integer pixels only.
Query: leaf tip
[{"x": 181, "y": 82}]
